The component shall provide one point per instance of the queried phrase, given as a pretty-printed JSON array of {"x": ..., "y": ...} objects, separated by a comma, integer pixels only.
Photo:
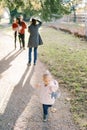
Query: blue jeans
[
  {"x": 45, "y": 109},
  {"x": 30, "y": 55}
]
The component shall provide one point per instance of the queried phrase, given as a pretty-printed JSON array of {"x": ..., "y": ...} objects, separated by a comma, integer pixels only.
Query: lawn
[{"x": 66, "y": 58}]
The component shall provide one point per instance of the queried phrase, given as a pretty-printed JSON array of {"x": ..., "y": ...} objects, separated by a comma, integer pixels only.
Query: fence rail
[{"x": 80, "y": 18}]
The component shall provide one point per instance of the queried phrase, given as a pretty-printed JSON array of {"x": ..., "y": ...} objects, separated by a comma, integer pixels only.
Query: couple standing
[{"x": 19, "y": 27}]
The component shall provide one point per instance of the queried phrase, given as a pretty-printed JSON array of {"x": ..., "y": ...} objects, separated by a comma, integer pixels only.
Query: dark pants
[
  {"x": 15, "y": 38},
  {"x": 22, "y": 40},
  {"x": 45, "y": 109}
]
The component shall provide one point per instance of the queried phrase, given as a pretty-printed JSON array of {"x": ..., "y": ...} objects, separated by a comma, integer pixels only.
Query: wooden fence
[{"x": 80, "y": 18}]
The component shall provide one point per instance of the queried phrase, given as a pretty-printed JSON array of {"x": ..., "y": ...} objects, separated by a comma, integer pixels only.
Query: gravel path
[{"x": 19, "y": 105}]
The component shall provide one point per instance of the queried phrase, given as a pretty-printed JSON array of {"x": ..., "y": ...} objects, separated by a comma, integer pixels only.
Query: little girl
[{"x": 47, "y": 89}]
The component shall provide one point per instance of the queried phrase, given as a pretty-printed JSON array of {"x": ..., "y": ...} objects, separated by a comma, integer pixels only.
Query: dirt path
[{"x": 19, "y": 105}]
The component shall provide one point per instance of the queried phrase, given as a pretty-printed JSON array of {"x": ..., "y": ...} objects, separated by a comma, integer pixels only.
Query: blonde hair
[{"x": 47, "y": 74}]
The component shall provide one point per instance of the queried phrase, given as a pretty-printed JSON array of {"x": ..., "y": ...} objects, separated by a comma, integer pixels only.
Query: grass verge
[{"x": 66, "y": 57}]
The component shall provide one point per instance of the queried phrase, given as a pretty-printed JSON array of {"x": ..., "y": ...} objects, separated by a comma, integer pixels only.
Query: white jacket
[{"x": 45, "y": 92}]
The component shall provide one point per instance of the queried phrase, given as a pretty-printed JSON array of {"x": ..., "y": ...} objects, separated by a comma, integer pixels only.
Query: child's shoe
[{"x": 45, "y": 118}]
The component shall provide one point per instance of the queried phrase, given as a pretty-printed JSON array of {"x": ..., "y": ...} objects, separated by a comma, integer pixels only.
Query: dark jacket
[{"x": 34, "y": 38}]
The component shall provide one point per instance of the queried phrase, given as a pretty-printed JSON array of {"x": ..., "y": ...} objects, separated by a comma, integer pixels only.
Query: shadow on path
[
  {"x": 5, "y": 62},
  {"x": 18, "y": 101}
]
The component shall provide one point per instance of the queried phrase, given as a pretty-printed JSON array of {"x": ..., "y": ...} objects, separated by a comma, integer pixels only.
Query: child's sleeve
[
  {"x": 55, "y": 91},
  {"x": 54, "y": 86}
]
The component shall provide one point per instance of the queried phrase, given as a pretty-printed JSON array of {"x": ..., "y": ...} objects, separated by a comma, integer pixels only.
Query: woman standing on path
[{"x": 34, "y": 39}]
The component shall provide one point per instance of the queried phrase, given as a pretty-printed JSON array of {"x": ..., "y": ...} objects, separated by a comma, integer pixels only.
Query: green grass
[{"x": 66, "y": 58}]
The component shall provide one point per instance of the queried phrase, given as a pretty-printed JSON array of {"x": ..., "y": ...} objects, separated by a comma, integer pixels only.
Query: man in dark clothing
[{"x": 15, "y": 28}]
